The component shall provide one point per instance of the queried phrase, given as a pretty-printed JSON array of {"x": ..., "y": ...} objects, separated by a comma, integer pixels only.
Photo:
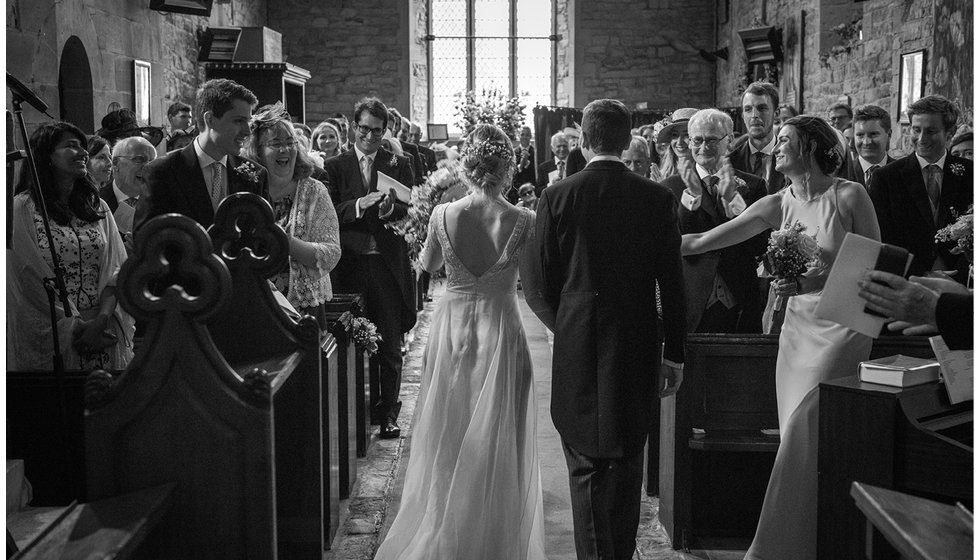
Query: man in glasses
[
  {"x": 193, "y": 180},
  {"x": 129, "y": 159},
  {"x": 374, "y": 260},
  {"x": 722, "y": 288}
]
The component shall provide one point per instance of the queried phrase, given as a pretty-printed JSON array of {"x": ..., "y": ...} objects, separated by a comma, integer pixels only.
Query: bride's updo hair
[
  {"x": 487, "y": 159},
  {"x": 816, "y": 135}
]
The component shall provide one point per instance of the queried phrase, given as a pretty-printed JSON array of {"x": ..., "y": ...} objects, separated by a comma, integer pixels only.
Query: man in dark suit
[
  {"x": 193, "y": 180},
  {"x": 872, "y": 134},
  {"x": 553, "y": 169},
  {"x": 918, "y": 194},
  {"x": 374, "y": 260},
  {"x": 575, "y": 162},
  {"x": 759, "y": 104},
  {"x": 411, "y": 150},
  {"x": 722, "y": 288},
  {"x": 129, "y": 159},
  {"x": 605, "y": 238},
  {"x": 525, "y": 159}
]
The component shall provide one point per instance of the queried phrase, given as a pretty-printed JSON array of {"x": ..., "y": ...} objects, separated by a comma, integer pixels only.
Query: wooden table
[{"x": 917, "y": 528}]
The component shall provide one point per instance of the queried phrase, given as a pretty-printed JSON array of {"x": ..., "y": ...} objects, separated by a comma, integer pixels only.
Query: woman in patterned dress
[
  {"x": 302, "y": 207},
  {"x": 98, "y": 334}
]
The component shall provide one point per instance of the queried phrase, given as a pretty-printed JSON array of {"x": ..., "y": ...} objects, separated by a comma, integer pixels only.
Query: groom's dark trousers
[{"x": 604, "y": 239}]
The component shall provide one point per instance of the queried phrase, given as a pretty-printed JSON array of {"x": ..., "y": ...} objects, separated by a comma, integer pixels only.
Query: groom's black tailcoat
[{"x": 605, "y": 238}]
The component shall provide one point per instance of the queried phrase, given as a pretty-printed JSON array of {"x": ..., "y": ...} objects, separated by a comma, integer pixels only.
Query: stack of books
[{"x": 900, "y": 371}]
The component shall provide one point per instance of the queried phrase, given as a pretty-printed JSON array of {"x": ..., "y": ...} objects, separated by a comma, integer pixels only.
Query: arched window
[{"x": 486, "y": 44}]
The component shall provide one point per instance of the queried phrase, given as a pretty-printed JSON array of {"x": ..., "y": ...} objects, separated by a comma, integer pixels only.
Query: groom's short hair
[
  {"x": 606, "y": 126},
  {"x": 218, "y": 96}
]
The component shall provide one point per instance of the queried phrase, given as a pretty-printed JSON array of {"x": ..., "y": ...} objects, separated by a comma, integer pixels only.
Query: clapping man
[
  {"x": 525, "y": 158},
  {"x": 759, "y": 104},
  {"x": 604, "y": 239},
  {"x": 922, "y": 192},
  {"x": 193, "y": 180},
  {"x": 722, "y": 288},
  {"x": 553, "y": 169},
  {"x": 374, "y": 259}
]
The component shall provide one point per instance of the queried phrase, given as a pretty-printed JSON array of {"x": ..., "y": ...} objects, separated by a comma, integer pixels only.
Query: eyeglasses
[
  {"x": 366, "y": 130},
  {"x": 278, "y": 146},
  {"x": 699, "y": 141},
  {"x": 138, "y": 160}
]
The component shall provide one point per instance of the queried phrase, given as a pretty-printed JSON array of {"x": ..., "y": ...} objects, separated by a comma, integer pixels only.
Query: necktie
[
  {"x": 217, "y": 185},
  {"x": 561, "y": 170},
  {"x": 131, "y": 201},
  {"x": 758, "y": 165},
  {"x": 867, "y": 174},
  {"x": 711, "y": 187},
  {"x": 366, "y": 171},
  {"x": 932, "y": 183}
]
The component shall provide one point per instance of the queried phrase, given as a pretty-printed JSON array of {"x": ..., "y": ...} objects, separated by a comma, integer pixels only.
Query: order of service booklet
[
  {"x": 840, "y": 301},
  {"x": 900, "y": 371}
]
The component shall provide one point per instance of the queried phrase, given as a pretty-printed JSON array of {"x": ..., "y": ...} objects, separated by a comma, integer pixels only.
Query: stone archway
[{"x": 76, "y": 101}]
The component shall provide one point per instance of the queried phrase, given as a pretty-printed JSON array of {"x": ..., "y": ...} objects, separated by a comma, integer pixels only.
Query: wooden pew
[
  {"x": 254, "y": 331},
  {"x": 180, "y": 414},
  {"x": 712, "y": 484},
  {"x": 362, "y": 391},
  {"x": 343, "y": 406}
]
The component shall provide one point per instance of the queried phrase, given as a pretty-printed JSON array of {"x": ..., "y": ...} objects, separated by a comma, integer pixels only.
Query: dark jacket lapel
[
  {"x": 916, "y": 188},
  {"x": 195, "y": 189}
]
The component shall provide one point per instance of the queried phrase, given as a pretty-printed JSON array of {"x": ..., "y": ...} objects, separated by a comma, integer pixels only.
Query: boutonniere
[
  {"x": 248, "y": 171},
  {"x": 957, "y": 169},
  {"x": 394, "y": 160},
  {"x": 740, "y": 183}
]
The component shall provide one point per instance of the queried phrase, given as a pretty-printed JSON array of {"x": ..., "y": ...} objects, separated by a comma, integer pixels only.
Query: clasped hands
[
  {"x": 909, "y": 304},
  {"x": 92, "y": 335},
  {"x": 376, "y": 197}
]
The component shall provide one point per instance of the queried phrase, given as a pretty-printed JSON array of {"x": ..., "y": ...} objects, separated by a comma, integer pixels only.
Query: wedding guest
[
  {"x": 122, "y": 123},
  {"x": 840, "y": 116},
  {"x": 409, "y": 149},
  {"x": 326, "y": 140},
  {"x": 924, "y": 191},
  {"x": 416, "y": 134},
  {"x": 783, "y": 112},
  {"x": 345, "y": 143},
  {"x": 674, "y": 134},
  {"x": 872, "y": 134},
  {"x": 759, "y": 102},
  {"x": 181, "y": 131},
  {"x": 526, "y": 197},
  {"x": 962, "y": 145},
  {"x": 649, "y": 134},
  {"x": 427, "y": 155},
  {"x": 302, "y": 130},
  {"x": 554, "y": 168},
  {"x": 193, "y": 180},
  {"x": 922, "y": 306},
  {"x": 722, "y": 286},
  {"x": 525, "y": 158},
  {"x": 811, "y": 349},
  {"x": 375, "y": 261},
  {"x": 129, "y": 158},
  {"x": 576, "y": 276},
  {"x": 98, "y": 334},
  {"x": 303, "y": 208},
  {"x": 636, "y": 157},
  {"x": 99, "y": 163}
]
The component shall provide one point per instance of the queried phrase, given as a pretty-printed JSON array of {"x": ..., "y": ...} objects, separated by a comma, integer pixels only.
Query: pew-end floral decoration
[{"x": 365, "y": 334}]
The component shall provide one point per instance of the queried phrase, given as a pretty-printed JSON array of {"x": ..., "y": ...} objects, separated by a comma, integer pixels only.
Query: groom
[{"x": 606, "y": 237}]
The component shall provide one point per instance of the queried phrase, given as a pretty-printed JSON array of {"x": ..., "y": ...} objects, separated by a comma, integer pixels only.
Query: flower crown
[{"x": 488, "y": 149}]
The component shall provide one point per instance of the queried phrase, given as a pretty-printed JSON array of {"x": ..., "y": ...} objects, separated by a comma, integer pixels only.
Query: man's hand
[
  {"x": 92, "y": 336},
  {"x": 369, "y": 200},
  {"x": 685, "y": 168},
  {"x": 726, "y": 180},
  {"x": 898, "y": 299},
  {"x": 669, "y": 380}
]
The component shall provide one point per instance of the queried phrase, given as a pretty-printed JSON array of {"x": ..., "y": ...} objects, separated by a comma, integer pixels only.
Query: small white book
[
  {"x": 900, "y": 371},
  {"x": 390, "y": 185}
]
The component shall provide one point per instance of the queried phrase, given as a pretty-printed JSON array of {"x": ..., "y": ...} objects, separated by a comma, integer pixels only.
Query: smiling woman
[{"x": 94, "y": 334}]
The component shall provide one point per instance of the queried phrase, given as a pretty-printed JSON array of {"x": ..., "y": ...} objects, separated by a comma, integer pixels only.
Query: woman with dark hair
[
  {"x": 99, "y": 161},
  {"x": 90, "y": 250},
  {"x": 302, "y": 207},
  {"x": 811, "y": 350},
  {"x": 473, "y": 488}
]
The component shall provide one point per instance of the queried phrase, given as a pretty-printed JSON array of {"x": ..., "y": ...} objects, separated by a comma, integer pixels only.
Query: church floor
[{"x": 367, "y": 515}]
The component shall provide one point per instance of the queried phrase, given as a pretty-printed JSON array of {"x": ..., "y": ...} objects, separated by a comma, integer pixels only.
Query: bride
[
  {"x": 473, "y": 488},
  {"x": 811, "y": 350}
]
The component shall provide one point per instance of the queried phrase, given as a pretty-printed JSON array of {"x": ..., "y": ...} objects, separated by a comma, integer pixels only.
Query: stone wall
[
  {"x": 351, "y": 49},
  {"x": 113, "y": 35},
  {"x": 636, "y": 51},
  {"x": 419, "y": 56},
  {"x": 868, "y": 71}
]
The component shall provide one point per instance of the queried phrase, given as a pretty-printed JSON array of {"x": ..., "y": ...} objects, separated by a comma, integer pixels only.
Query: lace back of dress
[{"x": 501, "y": 277}]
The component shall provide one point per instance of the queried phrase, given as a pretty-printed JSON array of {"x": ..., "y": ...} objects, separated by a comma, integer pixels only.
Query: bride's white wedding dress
[{"x": 473, "y": 485}]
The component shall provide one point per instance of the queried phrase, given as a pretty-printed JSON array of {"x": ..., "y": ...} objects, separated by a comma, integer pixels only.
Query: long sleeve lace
[{"x": 316, "y": 223}]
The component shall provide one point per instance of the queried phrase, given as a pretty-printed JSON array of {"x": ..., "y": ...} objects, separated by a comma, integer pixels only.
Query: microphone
[{"x": 24, "y": 93}]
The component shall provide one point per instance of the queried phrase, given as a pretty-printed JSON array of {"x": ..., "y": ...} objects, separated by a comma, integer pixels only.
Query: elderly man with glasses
[
  {"x": 129, "y": 157},
  {"x": 374, "y": 260},
  {"x": 722, "y": 287}
]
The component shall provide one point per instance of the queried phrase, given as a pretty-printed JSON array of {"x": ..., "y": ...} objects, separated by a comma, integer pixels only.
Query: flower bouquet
[
  {"x": 491, "y": 107},
  {"x": 414, "y": 226},
  {"x": 960, "y": 233},
  {"x": 365, "y": 334},
  {"x": 791, "y": 252}
]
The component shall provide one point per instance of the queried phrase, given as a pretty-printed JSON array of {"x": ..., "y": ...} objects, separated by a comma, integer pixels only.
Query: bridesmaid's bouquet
[
  {"x": 365, "y": 334},
  {"x": 414, "y": 226},
  {"x": 791, "y": 253}
]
